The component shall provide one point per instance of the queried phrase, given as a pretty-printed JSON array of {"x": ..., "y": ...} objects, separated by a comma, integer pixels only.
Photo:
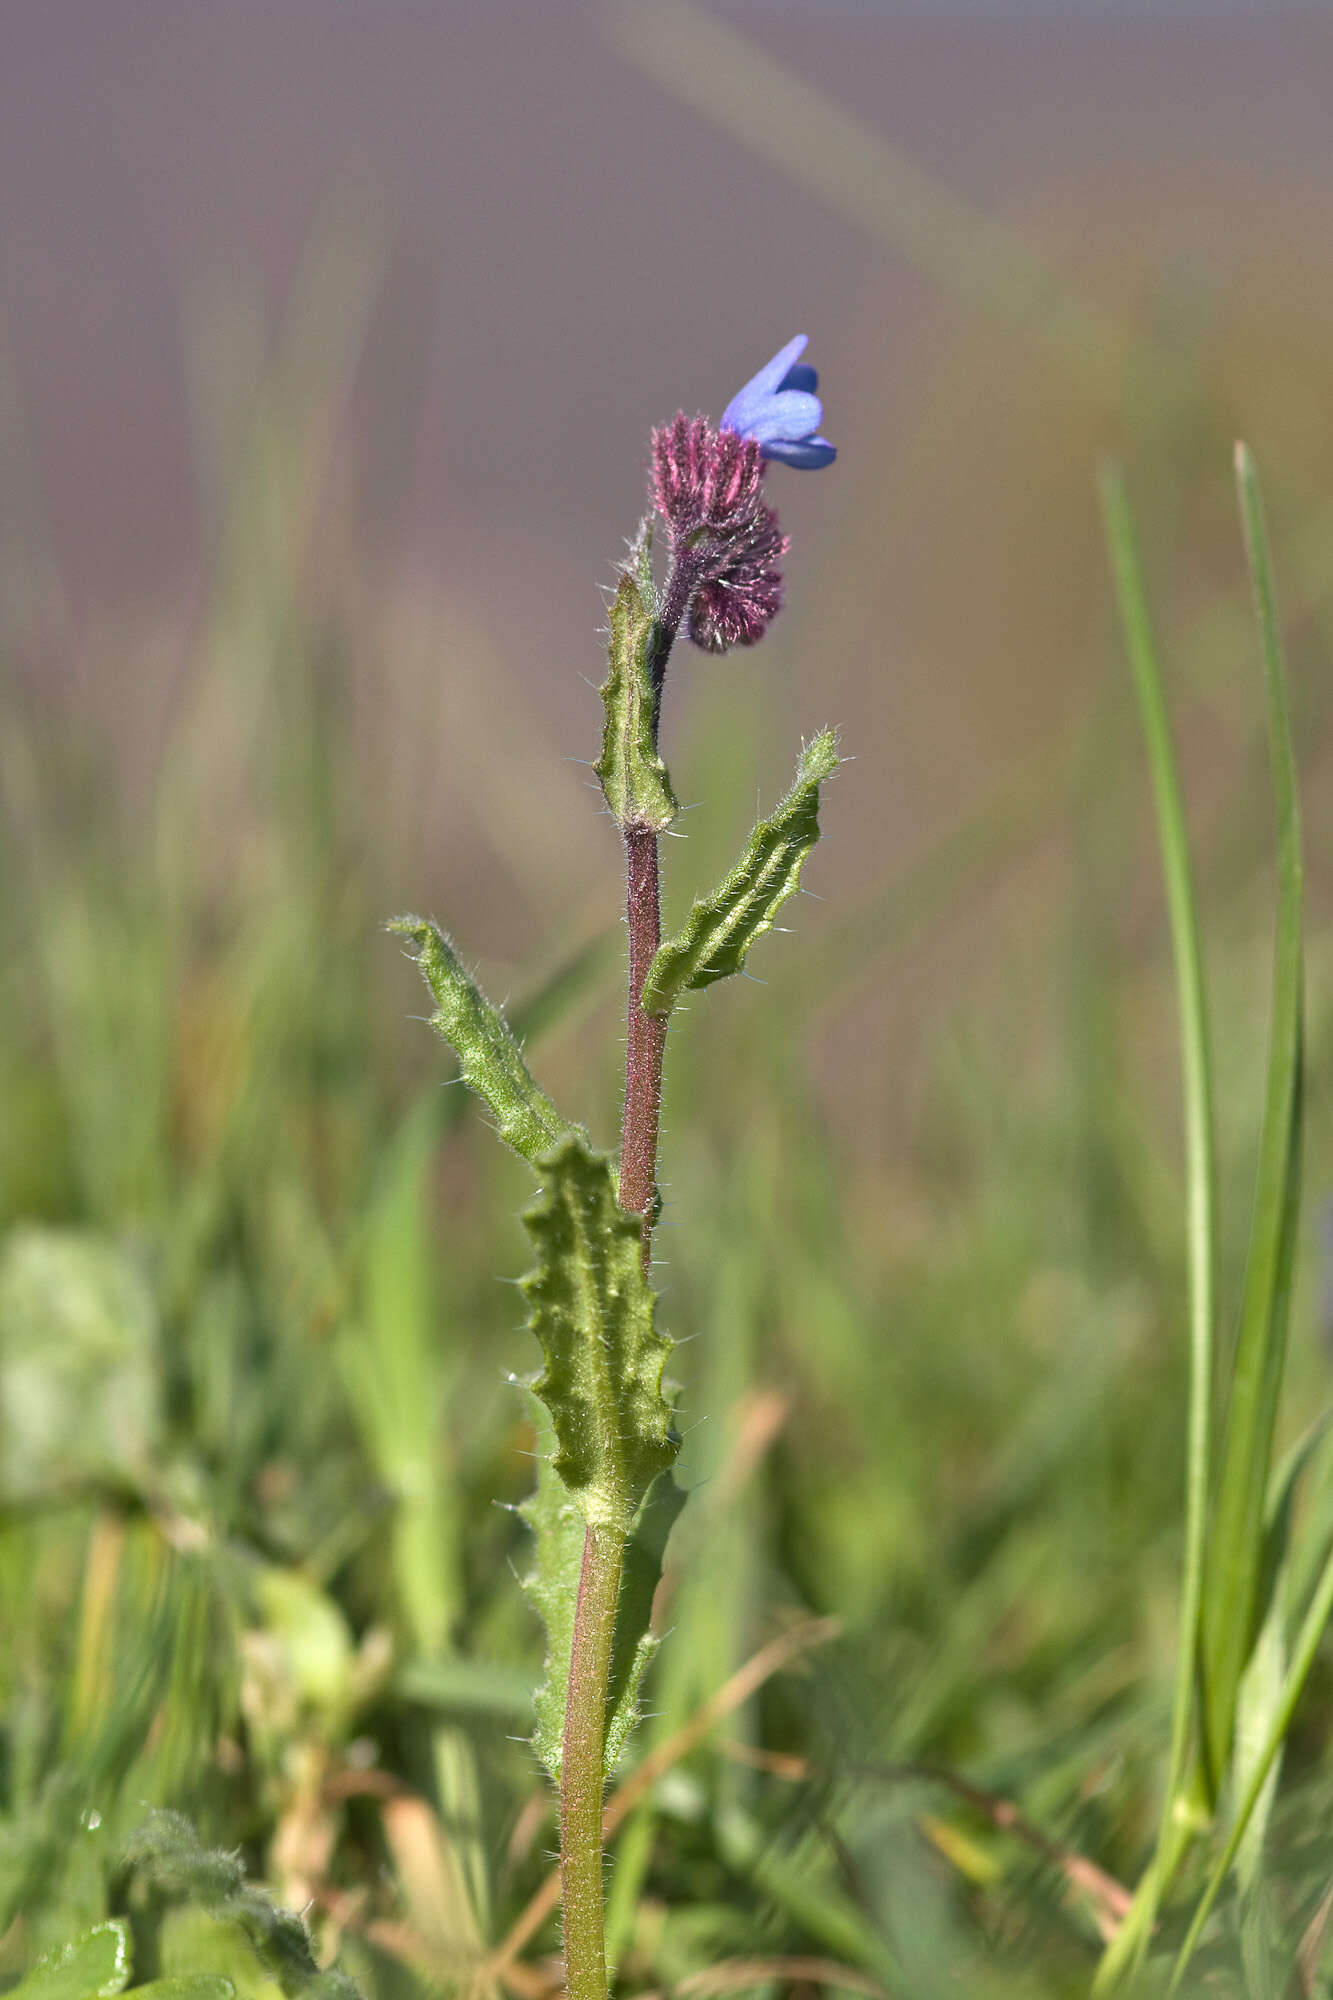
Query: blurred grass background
[{"x": 254, "y": 1334}]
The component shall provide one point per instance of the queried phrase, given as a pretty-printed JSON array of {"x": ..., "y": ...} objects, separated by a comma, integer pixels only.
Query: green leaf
[
  {"x": 718, "y": 933},
  {"x": 1236, "y": 1543},
  {"x": 92, "y": 1967},
  {"x": 804, "y": 1885},
  {"x": 189, "y": 1986},
  {"x": 1261, "y": 1684},
  {"x": 79, "y": 1367},
  {"x": 166, "y": 1852},
  {"x": 488, "y": 1055},
  {"x": 593, "y": 1313},
  {"x": 559, "y": 1529},
  {"x": 635, "y": 1641},
  {"x": 1200, "y": 1164},
  {"x": 633, "y": 776},
  {"x": 1242, "y": 1544},
  {"x": 465, "y": 1687},
  {"x": 395, "y": 1369},
  {"x": 1264, "y": 1755}
]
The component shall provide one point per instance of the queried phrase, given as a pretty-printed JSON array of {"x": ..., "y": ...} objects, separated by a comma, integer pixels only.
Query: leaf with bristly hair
[
  {"x": 611, "y": 1425},
  {"x": 593, "y": 1313},
  {"x": 633, "y": 777},
  {"x": 166, "y": 1854},
  {"x": 635, "y": 1640},
  {"x": 559, "y": 1528},
  {"x": 488, "y": 1054},
  {"x": 713, "y": 941}
]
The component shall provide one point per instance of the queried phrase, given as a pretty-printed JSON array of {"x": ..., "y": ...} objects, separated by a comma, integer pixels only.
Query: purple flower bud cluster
[
  {"x": 737, "y": 605},
  {"x": 726, "y": 541},
  {"x": 705, "y": 481}
]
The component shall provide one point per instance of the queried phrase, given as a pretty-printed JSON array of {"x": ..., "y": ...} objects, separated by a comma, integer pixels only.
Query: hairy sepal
[
  {"x": 714, "y": 940},
  {"x": 489, "y": 1057},
  {"x": 634, "y": 779},
  {"x": 593, "y": 1314}
]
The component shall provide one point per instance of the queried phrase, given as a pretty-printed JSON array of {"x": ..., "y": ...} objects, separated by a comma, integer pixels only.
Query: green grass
[{"x": 254, "y": 1340}]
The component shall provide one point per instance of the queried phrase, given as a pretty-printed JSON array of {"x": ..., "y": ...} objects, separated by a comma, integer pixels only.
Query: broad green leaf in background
[
  {"x": 396, "y": 1369},
  {"x": 715, "y": 937},
  {"x": 79, "y": 1395},
  {"x": 92, "y": 1967}
]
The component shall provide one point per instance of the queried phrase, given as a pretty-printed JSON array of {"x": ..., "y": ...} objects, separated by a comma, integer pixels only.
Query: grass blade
[
  {"x": 1302, "y": 1659},
  {"x": 1232, "y": 1577},
  {"x": 1200, "y": 1153}
]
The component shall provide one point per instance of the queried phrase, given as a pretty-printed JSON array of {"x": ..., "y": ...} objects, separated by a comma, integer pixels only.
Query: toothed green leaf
[
  {"x": 592, "y": 1311},
  {"x": 488, "y": 1055},
  {"x": 718, "y": 933},
  {"x": 633, "y": 776},
  {"x": 558, "y": 1529}
]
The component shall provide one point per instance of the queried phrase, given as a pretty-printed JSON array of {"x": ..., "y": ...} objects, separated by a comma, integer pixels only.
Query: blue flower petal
[
  {"x": 773, "y": 373},
  {"x": 747, "y": 402},
  {"x": 779, "y": 409},
  {"x": 788, "y": 414},
  {"x": 806, "y": 454}
]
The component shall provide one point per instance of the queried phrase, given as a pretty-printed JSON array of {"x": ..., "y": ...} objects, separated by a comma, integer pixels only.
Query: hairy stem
[
  {"x": 689, "y": 567},
  {"x": 581, "y": 1776},
  {"x": 645, "y": 1037},
  {"x": 582, "y": 1773}
]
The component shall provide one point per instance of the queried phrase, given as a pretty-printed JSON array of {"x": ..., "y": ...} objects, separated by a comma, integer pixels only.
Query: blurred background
[{"x": 330, "y": 338}]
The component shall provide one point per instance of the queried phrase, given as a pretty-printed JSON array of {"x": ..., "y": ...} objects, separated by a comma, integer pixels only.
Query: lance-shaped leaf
[
  {"x": 559, "y": 1528},
  {"x": 1236, "y": 1543},
  {"x": 488, "y": 1055},
  {"x": 633, "y": 776},
  {"x": 718, "y": 933},
  {"x": 592, "y": 1311}
]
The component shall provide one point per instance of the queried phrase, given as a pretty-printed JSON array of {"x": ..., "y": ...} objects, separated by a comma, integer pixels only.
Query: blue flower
[{"x": 779, "y": 408}]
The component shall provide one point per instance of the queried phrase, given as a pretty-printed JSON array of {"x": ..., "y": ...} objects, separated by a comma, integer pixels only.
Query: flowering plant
[{"x": 605, "y": 1499}]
